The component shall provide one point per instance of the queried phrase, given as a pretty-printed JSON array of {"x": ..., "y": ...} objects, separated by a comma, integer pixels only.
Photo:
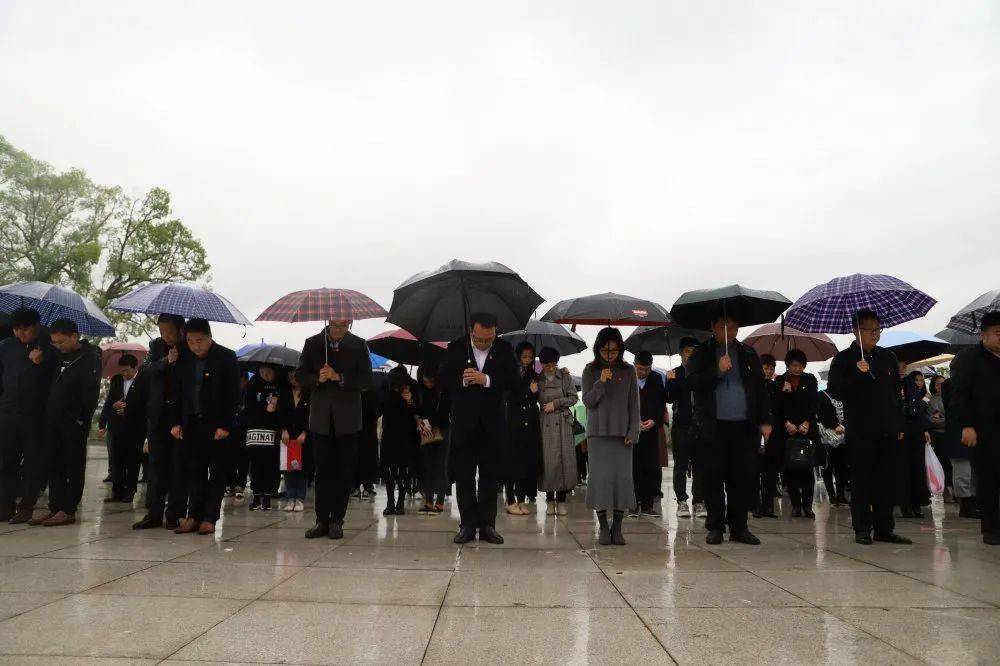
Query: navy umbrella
[
  {"x": 180, "y": 299},
  {"x": 968, "y": 318},
  {"x": 543, "y": 334},
  {"x": 52, "y": 302}
]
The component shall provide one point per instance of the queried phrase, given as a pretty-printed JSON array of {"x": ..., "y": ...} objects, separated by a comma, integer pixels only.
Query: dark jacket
[
  {"x": 294, "y": 417},
  {"x": 75, "y": 390},
  {"x": 338, "y": 403},
  {"x": 400, "y": 443},
  {"x": 159, "y": 374},
  {"x": 524, "y": 431},
  {"x": 703, "y": 377},
  {"x": 218, "y": 400},
  {"x": 872, "y": 402},
  {"x": 476, "y": 405},
  {"x": 826, "y": 411},
  {"x": 432, "y": 404},
  {"x": 653, "y": 401},
  {"x": 24, "y": 386},
  {"x": 975, "y": 398},
  {"x": 797, "y": 406},
  {"x": 679, "y": 395},
  {"x": 134, "y": 422},
  {"x": 916, "y": 414},
  {"x": 254, "y": 415}
]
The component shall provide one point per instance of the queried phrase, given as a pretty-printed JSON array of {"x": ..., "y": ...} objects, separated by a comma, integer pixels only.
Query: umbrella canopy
[
  {"x": 771, "y": 339},
  {"x": 941, "y": 359},
  {"x": 695, "y": 309},
  {"x": 909, "y": 346},
  {"x": 957, "y": 341},
  {"x": 112, "y": 351},
  {"x": 829, "y": 307},
  {"x": 543, "y": 334},
  {"x": 322, "y": 305},
  {"x": 266, "y": 354},
  {"x": 436, "y": 304},
  {"x": 404, "y": 348},
  {"x": 52, "y": 302},
  {"x": 608, "y": 310},
  {"x": 180, "y": 299},
  {"x": 662, "y": 340},
  {"x": 968, "y": 318}
]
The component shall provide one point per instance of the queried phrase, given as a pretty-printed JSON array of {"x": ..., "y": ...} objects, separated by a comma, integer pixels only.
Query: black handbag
[{"x": 800, "y": 453}]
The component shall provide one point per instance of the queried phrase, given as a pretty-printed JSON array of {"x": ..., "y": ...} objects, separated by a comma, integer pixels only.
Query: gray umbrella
[
  {"x": 543, "y": 334},
  {"x": 957, "y": 341},
  {"x": 265, "y": 354},
  {"x": 968, "y": 318}
]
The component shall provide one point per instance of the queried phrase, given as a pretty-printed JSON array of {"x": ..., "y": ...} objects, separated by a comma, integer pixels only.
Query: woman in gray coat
[
  {"x": 557, "y": 395},
  {"x": 611, "y": 394}
]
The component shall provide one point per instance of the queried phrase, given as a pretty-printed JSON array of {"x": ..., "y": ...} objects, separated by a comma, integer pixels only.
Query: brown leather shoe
[
  {"x": 38, "y": 520},
  {"x": 59, "y": 519},
  {"x": 206, "y": 527},
  {"x": 21, "y": 516},
  {"x": 187, "y": 526}
]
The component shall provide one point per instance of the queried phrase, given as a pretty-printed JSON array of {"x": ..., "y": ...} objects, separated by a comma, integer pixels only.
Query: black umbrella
[
  {"x": 957, "y": 341},
  {"x": 968, "y": 318},
  {"x": 662, "y": 340},
  {"x": 435, "y": 305},
  {"x": 750, "y": 307},
  {"x": 608, "y": 310},
  {"x": 543, "y": 334},
  {"x": 265, "y": 354},
  {"x": 403, "y": 347}
]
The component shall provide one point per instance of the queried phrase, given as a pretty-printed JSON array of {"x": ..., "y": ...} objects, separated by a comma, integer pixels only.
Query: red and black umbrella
[
  {"x": 322, "y": 305},
  {"x": 609, "y": 310}
]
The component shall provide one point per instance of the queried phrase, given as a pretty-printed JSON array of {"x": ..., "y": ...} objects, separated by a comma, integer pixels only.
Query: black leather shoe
[
  {"x": 809, "y": 513},
  {"x": 147, "y": 523},
  {"x": 892, "y": 537},
  {"x": 747, "y": 537},
  {"x": 991, "y": 539},
  {"x": 336, "y": 531},
  {"x": 317, "y": 531},
  {"x": 490, "y": 535},
  {"x": 863, "y": 539},
  {"x": 465, "y": 535},
  {"x": 714, "y": 537}
]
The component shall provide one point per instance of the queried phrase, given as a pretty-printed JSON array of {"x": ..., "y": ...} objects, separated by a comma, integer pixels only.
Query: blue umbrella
[
  {"x": 378, "y": 361},
  {"x": 909, "y": 346},
  {"x": 180, "y": 299},
  {"x": 53, "y": 302}
]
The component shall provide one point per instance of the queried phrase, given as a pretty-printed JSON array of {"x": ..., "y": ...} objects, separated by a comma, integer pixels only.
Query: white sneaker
[
  {"x": 683, "y": 509},
  {"x": 561, "y": 509},
  {"x": 299, "y": 505},
  {"x": 550, "y": 509},
  {"x": 699, "y": 510}
]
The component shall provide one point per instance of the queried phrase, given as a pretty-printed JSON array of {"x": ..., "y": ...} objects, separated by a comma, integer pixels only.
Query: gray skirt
[{"x": 609, "y": 474}]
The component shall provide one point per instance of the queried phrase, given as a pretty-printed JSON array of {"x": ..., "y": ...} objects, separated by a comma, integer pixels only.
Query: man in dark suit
[
  {"x": 477, "y": 370},
  {"x": 205, "y": 393},
  {"x": 731, "y": 412},
  {"x": 164, "y": 463},
  {"x": 647, "y": 474},
  {"x": 336, "y": 366},
  {"x": 124, "y": 415}
]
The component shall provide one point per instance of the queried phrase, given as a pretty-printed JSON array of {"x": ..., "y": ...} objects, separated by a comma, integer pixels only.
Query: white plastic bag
[{"x": 935, "y": 473}]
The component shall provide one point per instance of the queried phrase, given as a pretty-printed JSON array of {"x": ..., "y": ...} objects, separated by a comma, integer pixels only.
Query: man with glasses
[
  {"x": 975, "y": 378},
  {"x": 866, "y": 379}
]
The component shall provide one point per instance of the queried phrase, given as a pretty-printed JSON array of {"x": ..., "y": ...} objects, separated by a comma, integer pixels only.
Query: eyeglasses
[{"x": 877, "y": 329}]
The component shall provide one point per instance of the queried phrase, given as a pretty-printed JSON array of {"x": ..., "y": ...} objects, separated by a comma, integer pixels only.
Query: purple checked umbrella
[
  {"x": 830, "y": 307},
  {"x": 53, "y": 302},
  {"x": 180, "y": 299}
]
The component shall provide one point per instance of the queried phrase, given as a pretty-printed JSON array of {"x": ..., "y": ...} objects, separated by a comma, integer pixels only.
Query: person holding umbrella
[
  {"x": 28, "y": 363},
  {"x": 336, "y": 366},
  {"x": 731, "y": 413},
  {"x": 866, "y": 379},
  {"x": 477, "y": 371},
  {"x": 975, "y": 374}
]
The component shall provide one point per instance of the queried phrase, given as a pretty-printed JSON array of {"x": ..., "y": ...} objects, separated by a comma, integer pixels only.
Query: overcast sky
[{"x": 646, "y": 148}]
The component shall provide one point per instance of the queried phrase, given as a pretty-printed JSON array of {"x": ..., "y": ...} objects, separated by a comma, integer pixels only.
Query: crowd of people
[{"x": 490, "y": 418}]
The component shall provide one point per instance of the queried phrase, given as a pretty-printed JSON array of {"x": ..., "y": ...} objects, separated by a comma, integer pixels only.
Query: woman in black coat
[
  {"x": 400, "y": 441},
  {"x": 913, "y": 492},
  {"x": 795, "y": 416},
  {"x": 260, "y": 416},
  {"x": 836, "y": 473},
  {"x": 524, "y": 435},
  {"x": 294, "y": 402},
  {"x": 433, "y": 408}
]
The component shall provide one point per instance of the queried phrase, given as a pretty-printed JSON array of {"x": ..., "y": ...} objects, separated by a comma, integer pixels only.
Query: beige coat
[{"x": 558, "y": 447}]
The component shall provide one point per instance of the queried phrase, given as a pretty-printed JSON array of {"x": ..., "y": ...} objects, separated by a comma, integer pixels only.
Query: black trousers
[
  {"x": 127, "y": 448},
  {"x": 912, "y": 483},
  {"x": 15, "y": 467},
  {"x": 837, "y": 472},
  {"x": 873, "y": 482},
  {"x": 336, "y": 458},
  {"x": 769, "y": 465},
  {"x": 240, "y": 460},
  {"x": 205, "y": 471},
  {"x": 477, "y": 450},
  {"x": 986, "y": 465},
  {"x": 520, "y": 490},
  {"x": 801, "y": 486},
  {"x": 582, "y": 458},
  {"x": 681, "y": 446},
  {"x": 264, "y": 472},
  {"x": 164, "y": 474},
  {"x": 67, "y": 465},
  {"x": 728, "y": 463},
  {"x": 939, "y": 442},
  {"x": 647, "y": 474},
  {"x": 434, "y": 474}
]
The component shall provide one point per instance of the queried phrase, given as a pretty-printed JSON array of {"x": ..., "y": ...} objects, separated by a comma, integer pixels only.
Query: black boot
[
  {"x": 616, "y": 529},
  {"x": 266, "y": 503},
  {"x": 400, "y": 509},
  {"x": 390, "y": 505},
  {"x": 604, "y": 536},
  {"x": 967, "y": 508}
]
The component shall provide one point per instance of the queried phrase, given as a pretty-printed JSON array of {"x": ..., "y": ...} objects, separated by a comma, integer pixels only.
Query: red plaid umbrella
[{"x": 323, "y": 305}]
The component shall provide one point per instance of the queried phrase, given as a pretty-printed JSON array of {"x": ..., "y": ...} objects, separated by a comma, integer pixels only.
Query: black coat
[
  {"x": 796, "y": 406},
  {"x": 24, "y": 386},
  {"x": 159, "y": 373},
  {"x": 473, "y": 406},
  {"x": 254, "y": 415},
  {"x": 400, "y": 445},
  {"x": 826, "y": 411},
  {"x": 872, "y": 402},
  {"x": 75, "y": 389},
  {"x": 653, "y": 400},
  {"x": 916, "y": 412},
  {"x": 338, "y": 403},
  {"x": 524, "y": 431},
  {"x": 703, "y": 377},
  {"x": 133, "y": 422},
  {"x": 432, "y": 404},
  {"x": 220, "y": 391},
  {"x": 975, "y": 399},
  {"x": 294, "y": 417},
  {"x": 679, "y": 395}
]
